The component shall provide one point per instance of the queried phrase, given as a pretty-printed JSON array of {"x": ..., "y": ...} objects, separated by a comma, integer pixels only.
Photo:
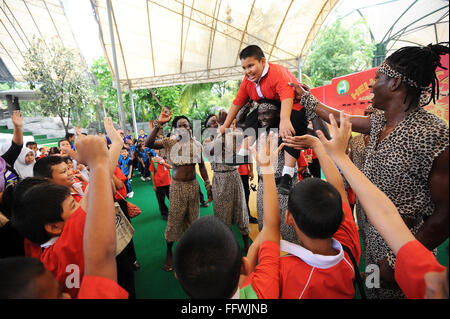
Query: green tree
[
  {"x": 64, "y": 85},
  {"x": 337, "y": 51}
]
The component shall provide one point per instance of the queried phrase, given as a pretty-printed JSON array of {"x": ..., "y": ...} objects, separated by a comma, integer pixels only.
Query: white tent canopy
[
  {"x": 170, "y": 42},
  {"x": 23, "y": 20},
  {"x": 399, "y": 23}
]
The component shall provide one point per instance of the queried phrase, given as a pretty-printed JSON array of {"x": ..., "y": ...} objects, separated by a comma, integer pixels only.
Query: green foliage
[
  {"x": 196, "y": 101},
  {"x": 337, "y": 51},
  {"x": 64, "y": 86}
]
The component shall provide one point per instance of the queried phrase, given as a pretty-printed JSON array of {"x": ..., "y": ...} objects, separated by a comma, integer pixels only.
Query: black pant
[
  {"x": 244, "y": 179},
  {"x": 125, "y": 261},
  {"x": 144, "y": 170},
  {"x": 314, "y": 168},
  {"x": 298, "y": 120},
  {"x": 161, "y": 193}
]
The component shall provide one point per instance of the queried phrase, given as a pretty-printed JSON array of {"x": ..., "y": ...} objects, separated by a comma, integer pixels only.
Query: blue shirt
[{"x": 125, "y": 164}]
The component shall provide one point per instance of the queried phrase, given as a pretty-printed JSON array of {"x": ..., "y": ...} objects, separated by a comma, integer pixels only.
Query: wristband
[
  {"x": 157, "y": 125},
  {"x": 309, "y": 102}
]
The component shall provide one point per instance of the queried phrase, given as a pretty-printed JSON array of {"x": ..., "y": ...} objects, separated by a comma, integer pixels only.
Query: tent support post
[
  {"x": 133, "y": 110},
  {"x": 116, "y": 68},
  {"x": 299, "y": 69}
]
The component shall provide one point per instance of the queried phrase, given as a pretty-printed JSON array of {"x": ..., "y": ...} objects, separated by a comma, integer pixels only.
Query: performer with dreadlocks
[
  {"x": 183, "y": 153},
  {"x": 407, "y": 155}
]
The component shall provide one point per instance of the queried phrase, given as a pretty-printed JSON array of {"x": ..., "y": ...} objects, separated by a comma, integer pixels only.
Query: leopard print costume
[{"x": 400, "y": 166}]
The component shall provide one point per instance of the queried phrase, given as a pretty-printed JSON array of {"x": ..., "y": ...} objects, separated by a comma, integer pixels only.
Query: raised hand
[
  {"x": 165, "y": 116},
  {"x": 17, "y": 118},
  {"x": 92, "y": 150},
  {"x": 111, "y": 132},
  {"x": 301, "y": 142},
  {"x": 267, "y": 155},
  {"x": 338, "y": 144}
]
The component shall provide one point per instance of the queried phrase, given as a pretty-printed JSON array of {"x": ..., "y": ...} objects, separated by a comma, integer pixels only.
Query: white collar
[
  {"x": 264, "y": 72},
  {"x": 77, "y": 186},
  {"x": 50, "y": 242},
  {"x": 237, "y": 294},
  {"x": 314, "y": 260}
]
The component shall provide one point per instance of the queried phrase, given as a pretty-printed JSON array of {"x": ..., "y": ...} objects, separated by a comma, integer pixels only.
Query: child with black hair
[
  {"x": 144, "y": 155},
  {"x": 321, "y": 217},
  {"x": 126, "y": 165},
  {"x": 28, "y": 278},
  {"x": 208, "y": 261},
  {"x": 56, "y": 170},
  {"x": 161, "y": 182}
]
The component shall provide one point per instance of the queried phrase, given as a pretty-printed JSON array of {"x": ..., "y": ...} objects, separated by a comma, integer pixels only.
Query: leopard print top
[{"x": 400, "y": 166}]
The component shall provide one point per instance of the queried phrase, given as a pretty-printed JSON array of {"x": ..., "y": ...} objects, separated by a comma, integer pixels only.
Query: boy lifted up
[{"x": 264, "y": 80}]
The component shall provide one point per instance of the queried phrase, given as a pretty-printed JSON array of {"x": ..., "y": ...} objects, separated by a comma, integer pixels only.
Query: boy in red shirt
[
  {"x": 208, "y": 261},
  {"x": 56, "y": 170},
  {"x": 417, "y": 271},
  {"x": 96, "y": 264},
  {"x": 161, "y": 182},
  {"x": 319, "y": 213},
  {"x": 264, "y": 80}
]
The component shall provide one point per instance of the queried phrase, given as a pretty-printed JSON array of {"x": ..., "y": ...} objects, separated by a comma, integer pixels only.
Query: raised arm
[
  {"x": 232, "y": 112},
  {"x": 13, "y": 152},
  {"x": 360, "y": 124},
  {"x": 99, "y": 240},
  {"x": 329, "y": 169},
  {"x": 164, "y": 117},
  {"x": 380, "y": 210},
  {"x": 266, "y": 157},
  {"x": 116, "y": 144}
]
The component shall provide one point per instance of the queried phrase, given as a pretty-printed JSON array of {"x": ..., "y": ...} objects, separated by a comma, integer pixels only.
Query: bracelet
[
  {"x": 310, "y": 102},
  {"x": 391, "y": 259},
  {"x": 157, "y": 125}
]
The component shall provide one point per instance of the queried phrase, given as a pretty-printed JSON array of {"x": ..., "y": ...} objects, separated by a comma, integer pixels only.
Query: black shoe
[
  {"x": 136, "y": 265},
  {"x": 285, "y": 185},
  {"x": 252, "y": 220}
]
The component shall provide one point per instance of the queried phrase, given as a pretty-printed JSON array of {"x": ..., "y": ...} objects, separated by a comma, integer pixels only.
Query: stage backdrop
[{"x": 351, "y": 93}]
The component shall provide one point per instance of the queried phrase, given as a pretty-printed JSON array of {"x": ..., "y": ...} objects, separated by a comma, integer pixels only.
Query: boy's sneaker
[
  {"x": 143, "y": 178},
  {"x": 130, "y": 194},
  {"x": 148, "y": 179},
  {"x": 285, "y": 185}
]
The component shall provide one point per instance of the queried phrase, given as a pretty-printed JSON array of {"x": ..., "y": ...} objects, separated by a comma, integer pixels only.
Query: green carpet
[{"x": 152, "y": 282}]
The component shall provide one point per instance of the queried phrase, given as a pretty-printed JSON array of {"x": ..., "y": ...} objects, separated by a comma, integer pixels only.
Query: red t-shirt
[
  {"x": 311, "y": 153},
  {"x": 31, "y": 249},
  {"x": 123, "y": 191},
  {"x": 273, "y": 86},
  {"x": 67, "y": 251},
  {"x": 310, "y": 276},
  {"x": 264, "y": 280},
  {"x": 162, "y": 175},
  {"x": 77, "y": 196},
  {"x": 243, "y": 169},
  {"x": 412, "y": 263},
  {"x": 93, "y": 287}
]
